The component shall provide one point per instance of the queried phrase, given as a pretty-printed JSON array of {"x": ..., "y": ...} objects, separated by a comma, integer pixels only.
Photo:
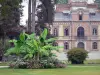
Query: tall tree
[
  {"x": 31, "y": 15},
  {"x": 45, "y": 13},
  {"x": 11, "y": 10}
]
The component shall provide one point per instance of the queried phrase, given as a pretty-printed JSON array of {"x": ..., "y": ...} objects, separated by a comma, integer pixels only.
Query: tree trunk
[
  {"x": 3, "y": 43},
  {"x": 29, "y": 15},
  {"x": 33, "y": 15}
]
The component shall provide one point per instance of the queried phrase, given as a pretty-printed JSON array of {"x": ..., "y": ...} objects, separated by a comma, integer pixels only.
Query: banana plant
[
  {"x": 32, "y": 46},
  {"x": 39, "y": 46}
]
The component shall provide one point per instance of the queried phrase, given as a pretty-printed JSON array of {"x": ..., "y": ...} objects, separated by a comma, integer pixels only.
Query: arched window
[
  {"x": 95, "y": 45},
  {"x": 55, "y": 44},
  {"x": 80, "y": 45},
  {"x": 94, "y": 31},
  {"x": 80, "y": 17},
  {"x": 66, "y": 46},
  {"x": 66, "y": 32},
  {"x": 80, "y": 32},
  {"x": 55, "y": 32}
]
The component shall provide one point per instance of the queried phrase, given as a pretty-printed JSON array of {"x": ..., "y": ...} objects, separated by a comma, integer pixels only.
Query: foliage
[
  {"x": 39, "y": 46},
  {"x": 32, "y": 48},
  {"x": 17, "y": 45},
  {"x": 10, "y": 13},
  {"x": 11, "y": 10},
  {"x": 77, "y": 55}
]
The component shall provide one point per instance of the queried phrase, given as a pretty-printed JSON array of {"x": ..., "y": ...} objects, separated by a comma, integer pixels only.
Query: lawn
[
  {"x": 70, "y": 70},
  {"x": 91, "y": 67}
]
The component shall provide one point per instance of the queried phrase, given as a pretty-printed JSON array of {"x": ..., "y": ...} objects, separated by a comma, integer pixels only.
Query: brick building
[{"x": 77, "y": 24}]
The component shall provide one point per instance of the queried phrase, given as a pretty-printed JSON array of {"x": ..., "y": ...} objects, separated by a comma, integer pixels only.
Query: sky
[{"x": 25, "y": 11}]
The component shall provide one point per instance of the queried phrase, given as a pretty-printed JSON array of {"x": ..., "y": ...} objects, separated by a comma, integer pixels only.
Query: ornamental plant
[
  {"x": 77, "y": 55},
  {"x": 32, "y": 48}
]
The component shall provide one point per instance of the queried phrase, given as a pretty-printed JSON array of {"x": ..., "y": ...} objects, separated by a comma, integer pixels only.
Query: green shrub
[{"x": 77, "y": 55}]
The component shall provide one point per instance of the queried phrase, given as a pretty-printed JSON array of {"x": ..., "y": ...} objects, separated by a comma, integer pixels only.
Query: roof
[
  {"x": 62, "y": 17},
  {"x": 65, "y": 17},
  {"x": 62, "y": 7},
  {"x": 94, "y": 5},
  {"x": 96, "y": 17}
]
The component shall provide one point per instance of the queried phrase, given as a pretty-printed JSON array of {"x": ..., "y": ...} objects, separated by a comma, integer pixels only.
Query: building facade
[{"x": 77, "y": 24}]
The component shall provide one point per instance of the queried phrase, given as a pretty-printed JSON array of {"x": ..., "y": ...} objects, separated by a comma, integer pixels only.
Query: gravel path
[{"x": 4, "y": 66}]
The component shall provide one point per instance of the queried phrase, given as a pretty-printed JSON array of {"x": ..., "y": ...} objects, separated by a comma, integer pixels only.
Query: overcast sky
[{"x": 25, "y": 11}]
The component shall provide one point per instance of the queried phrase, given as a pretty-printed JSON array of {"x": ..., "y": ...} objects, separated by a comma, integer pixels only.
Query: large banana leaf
[
  {"x": 50, "y": 40},
  {"x": 22, "y": 37},
  {"x": 43, "y": 35},
  {"x": 15, "y": 50},
  {"x": 31, "y": 36}
]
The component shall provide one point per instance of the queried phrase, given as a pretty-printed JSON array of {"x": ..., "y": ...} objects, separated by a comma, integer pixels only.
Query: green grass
[
  {"x": 91, "y": 67},
  {"x": 70, "y": 70},
  {"x": 4, "y": 63}
]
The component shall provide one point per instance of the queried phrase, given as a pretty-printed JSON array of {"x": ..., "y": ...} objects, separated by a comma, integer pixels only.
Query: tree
[
  {"x": 33, "y": 15},
  {"x": 45, "y": 14},
  {"x": 29, "y": 15},
  {"x": 11, "y": 11},
  {"x": 98, "y": 2}
]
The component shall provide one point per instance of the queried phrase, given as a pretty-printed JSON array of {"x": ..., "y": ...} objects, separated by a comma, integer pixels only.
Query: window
[
  {"x": 66, "y": 32},
  {"x": 80, "y": 45},
  {"x": 55, "y": 32},
  {"x": 92, "y": 14},
  {"x": 80, "y": 32},
  {"x": 94, "y": 46},
  {"x": 80, "y": 16},
  {"x": 66, "y": 14},
  {"x": 94, "y": 31},
  {"x": 66, "y": 46}
]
